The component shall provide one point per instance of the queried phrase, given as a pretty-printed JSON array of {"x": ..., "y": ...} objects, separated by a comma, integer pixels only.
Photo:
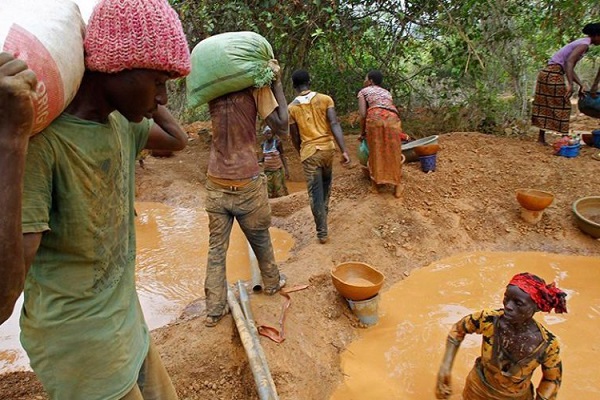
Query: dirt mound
[{"x": 467, "y": 204}]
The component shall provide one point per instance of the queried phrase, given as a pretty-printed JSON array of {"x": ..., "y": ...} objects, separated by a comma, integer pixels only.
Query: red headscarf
[{"x": 546, "y": 297}]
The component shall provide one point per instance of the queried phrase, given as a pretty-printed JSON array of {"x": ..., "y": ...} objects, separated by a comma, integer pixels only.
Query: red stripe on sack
[{"x": 50, "y": 100}]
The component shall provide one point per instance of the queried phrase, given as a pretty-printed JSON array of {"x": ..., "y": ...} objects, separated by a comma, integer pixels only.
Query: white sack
[{"x": 48, "y": 35}]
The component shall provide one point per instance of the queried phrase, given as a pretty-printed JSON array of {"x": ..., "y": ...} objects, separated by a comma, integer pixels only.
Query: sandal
[
  {"x": 213, "y": 320},
  {"x": 280, "y": 285}
]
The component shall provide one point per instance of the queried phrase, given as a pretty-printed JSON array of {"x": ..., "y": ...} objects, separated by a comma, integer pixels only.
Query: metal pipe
[
  {"x": 262, "y": 382},
  {"x": 245, "y": 303},
  {"x": 255, "y": 270}
]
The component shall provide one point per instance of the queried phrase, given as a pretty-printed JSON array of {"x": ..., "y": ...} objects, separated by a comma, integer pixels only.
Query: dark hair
[
  {"x": 376, "y": 76},
  {"x": 300, "y": 77},
  {"x": 592, "y": 29}
]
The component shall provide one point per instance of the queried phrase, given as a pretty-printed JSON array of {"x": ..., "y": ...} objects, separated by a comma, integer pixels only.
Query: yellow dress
[{"x": 493, "y": 377}]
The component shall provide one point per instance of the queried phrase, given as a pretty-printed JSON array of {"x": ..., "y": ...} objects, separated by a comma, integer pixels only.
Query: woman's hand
[
  {"x": 581, "y": 93},
  {"x": 443, "y": 388},
  {"x": 568, "y": 90}
]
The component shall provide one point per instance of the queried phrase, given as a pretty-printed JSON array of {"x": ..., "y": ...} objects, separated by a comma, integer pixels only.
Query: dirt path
[{"x": 467, "y": 204}]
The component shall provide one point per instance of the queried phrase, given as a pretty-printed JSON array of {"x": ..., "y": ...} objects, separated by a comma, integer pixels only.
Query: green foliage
[{"x": 471, "y": 64}]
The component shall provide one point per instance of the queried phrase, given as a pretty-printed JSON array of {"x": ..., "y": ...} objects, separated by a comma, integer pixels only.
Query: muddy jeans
[
  {"x": 250, "y": 206},
  {"x": 153, "y": 381},
  {"x": 318, "y": 173}
]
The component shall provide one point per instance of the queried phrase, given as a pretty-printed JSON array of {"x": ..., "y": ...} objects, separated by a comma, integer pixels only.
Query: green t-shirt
[{"x": 81, "y": 323}]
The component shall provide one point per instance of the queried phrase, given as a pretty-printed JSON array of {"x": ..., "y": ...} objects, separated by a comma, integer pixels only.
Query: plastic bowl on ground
[
  {"x": 587, "y": 139},
  {"x": 587, "y": 215},
  {"x": 569, "y": 151},
  {"x": 408, "y": 149},
  {"x": 357, "y": 280},
  {"x": 533, "y": 199}
]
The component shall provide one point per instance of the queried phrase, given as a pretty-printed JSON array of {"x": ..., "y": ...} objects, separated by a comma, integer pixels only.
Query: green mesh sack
[{"x": 227, "y": 63}]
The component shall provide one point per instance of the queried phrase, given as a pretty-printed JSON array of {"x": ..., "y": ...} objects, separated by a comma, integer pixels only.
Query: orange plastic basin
[
  {"x": 427, "y": 150},
  {"x": 356, "y": 280},
  {"x": 534, "y": 200}
]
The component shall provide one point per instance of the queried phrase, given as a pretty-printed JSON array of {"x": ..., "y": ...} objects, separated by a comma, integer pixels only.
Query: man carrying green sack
[{"x": 236, "y": 188}]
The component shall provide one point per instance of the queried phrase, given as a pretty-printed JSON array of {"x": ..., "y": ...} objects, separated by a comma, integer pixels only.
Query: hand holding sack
[
  {"x": 227, "y": 63},
  {"x": 48, "y": 36}
]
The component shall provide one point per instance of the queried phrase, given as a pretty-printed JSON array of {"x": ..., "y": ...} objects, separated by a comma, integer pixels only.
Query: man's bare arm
[{"x": 17, "y": 88}]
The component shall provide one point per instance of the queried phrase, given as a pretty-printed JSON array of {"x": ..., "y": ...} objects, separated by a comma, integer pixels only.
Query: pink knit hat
[{"x": 130, "y": 34}]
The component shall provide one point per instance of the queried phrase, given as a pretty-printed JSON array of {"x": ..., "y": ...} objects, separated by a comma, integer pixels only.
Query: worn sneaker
[
  {"x": 213, "y": 320},
  {"x": 280, "y": 285}
]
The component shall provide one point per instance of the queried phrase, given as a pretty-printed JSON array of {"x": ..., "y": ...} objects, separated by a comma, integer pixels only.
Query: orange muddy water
[
  {"x": 399, "y": 357},
  {"x": 172, "y": 246},
  {"x": 294, "y": 186}
]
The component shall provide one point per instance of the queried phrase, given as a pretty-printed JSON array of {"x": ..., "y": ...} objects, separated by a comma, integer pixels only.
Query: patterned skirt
[
  {"x": 276, "y": 183},
  {"x": 384, "y": 131},
  {"x": 550, "y": 110}
]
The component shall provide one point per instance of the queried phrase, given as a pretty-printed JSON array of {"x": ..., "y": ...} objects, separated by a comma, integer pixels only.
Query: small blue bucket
[
  {"x": 596, "y": 138},
  {"x": 366, "y": 310},
  {"x": 569, "y": 151},
  {"x": 428, "y": 162}
]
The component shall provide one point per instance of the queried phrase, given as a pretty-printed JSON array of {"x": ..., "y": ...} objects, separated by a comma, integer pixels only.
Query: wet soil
[{"x": 468, "y": 204}]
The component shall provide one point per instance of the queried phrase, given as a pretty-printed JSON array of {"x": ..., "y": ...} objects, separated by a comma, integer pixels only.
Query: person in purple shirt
[{"x": 551, "y": 107}]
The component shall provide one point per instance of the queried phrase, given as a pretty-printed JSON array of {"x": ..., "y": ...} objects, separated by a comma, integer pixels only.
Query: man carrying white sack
[
  {"x": 82, "y": 324},
  {"x": 236, "y": 188}
]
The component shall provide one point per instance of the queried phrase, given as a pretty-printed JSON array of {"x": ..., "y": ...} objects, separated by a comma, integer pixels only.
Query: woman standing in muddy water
[
  {"x": 514, "y": 345},
  {"x": 381, "y": 125}
]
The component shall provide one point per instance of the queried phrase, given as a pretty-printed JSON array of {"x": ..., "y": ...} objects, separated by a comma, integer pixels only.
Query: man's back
[
  {"x": 233, "y": 152},
  {"x": 309, "y": 112}
]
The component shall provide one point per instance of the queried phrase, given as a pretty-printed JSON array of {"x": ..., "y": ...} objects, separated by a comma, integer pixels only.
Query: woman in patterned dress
[
  {"x": 381, "y": 125},
  {"x": 514, "y": 345},
  {"x": 551, "y": 108}
]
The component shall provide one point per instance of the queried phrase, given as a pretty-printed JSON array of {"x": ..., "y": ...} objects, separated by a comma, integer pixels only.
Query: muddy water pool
[
  {"x": 399, "y": 357},
  {"x": 295, "y": 186},
  {"x": 172, "y": 248}
]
